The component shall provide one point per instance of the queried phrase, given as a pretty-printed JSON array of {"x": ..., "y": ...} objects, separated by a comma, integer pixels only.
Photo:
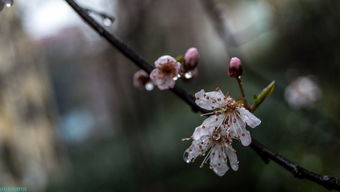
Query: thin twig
[
  {"x": 298, "y": 171},
  {"x": 239, "y": 82}
]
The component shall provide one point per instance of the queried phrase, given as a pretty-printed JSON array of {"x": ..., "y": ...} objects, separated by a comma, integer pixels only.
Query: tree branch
[{"x": 298, "y": 171}]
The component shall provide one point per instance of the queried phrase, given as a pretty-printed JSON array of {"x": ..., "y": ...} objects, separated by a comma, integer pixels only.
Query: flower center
[
  {"x": 216, "y": 136},
  {"x": 168, "y": 69},
  {"x": 219, "y": 138}
]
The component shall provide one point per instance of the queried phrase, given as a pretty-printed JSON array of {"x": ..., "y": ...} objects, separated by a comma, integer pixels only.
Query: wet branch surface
[{"x": 264, "y": 152}]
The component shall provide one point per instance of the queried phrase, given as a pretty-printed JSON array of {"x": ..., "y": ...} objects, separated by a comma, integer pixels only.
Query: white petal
[
  {"x": 210, "y": 100},
  {"x": 251, "y": 120},
  {"x": 231, "y": 153},
  {"x": 208, "y": 126},
  {"x": 238, "y": 130},
  {"x": 198, "y": 147},
  {"x": 218, "y": 160},
  {"x": 236, "y": 126},
  {"x": 245, "y": 138}
]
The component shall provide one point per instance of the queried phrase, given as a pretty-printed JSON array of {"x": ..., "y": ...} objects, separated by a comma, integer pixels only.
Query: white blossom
[
  {"x": 213, "y": 138},
  {"x": 217, "y": 149},
  {"x": 227, "y": 114}
]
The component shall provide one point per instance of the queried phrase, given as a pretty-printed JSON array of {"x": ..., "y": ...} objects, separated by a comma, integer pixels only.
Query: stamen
[
  {"x": 205, "y": 159},
  {"x": 213, "y": 112},
  {"x": 187, "y": 139}
]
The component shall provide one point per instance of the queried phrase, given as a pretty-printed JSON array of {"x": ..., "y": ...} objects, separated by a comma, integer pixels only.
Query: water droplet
[
  {"x": 216, "y": 136},
  {"x": 8, "y": 3},
  {"x": 186, "y": 157},
  {"x": 107, "y": 21},
  {"x": 149, "y": 86},
  {"x": 177, "y": 77},
  {"x": 188, "y": 75}
]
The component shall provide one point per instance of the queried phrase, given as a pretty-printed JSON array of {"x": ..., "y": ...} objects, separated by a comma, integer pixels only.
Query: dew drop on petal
[
  {"x": 107, "y": 21},
  {"x": 8, "y": 3},
  {"x": 149, "y": 86},
  {"x": 188, "y": 75},
  {"x": 186, "y": 157}
]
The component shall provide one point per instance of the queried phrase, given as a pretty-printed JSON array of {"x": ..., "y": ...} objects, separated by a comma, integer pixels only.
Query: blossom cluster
[
  {"x": 227, "y": 119},
  {"x": 214, "y": 137}
]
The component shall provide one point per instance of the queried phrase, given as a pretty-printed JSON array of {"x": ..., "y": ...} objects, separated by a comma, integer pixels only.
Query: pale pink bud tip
[
  {"x": 191, "y": 59},
  {"x": 140, "y": 78},
  {"x": 235, "y": 67}
]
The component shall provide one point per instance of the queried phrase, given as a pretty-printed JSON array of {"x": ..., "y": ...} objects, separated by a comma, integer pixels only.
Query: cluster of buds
[{"x": 168, "y": 70}]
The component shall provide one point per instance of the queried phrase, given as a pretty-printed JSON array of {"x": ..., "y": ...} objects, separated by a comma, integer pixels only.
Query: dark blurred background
[{"x": 70, "y": 119}]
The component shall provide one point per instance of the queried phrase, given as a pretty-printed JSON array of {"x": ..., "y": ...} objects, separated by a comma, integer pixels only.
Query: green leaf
[
  {"x": 263, "y": 95},
  {"x": 180, "y": 59}
]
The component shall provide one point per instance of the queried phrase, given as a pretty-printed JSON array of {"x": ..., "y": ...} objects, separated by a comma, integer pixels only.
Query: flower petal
[
  {"x": 208, "y": 126},
  {"x": 231, "y": 153},
  {"x": 210, "y": 100},
  {"x": 251, "y": 120},
  {"x": 161, "y": 81},
  {"x": 245, "y": 138},
  {"x": 198, "y": 147},
  {"x": 218, "y": 160},
  {"x": 165, "y": 59},
  {"x": 237, "y": 130}
]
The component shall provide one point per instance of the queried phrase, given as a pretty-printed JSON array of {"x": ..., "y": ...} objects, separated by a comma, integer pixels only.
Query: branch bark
[{"x": 264, "y": 152}]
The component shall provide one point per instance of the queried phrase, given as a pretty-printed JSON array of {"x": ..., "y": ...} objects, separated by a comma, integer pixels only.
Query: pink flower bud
[
  {"x": 191, "y": 59},
  {"x": 235, "y": 67},
  {"x": 140, "y": 78}
]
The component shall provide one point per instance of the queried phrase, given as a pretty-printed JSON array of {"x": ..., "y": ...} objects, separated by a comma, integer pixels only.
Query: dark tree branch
[{"x": 265, "y": 153}]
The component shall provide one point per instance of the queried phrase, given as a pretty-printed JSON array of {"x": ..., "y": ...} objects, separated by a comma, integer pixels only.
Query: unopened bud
[
  {"x": 235, "y": 67},
  {"x": 191, "y": 59},
  {"x": 140, "y": 78}
]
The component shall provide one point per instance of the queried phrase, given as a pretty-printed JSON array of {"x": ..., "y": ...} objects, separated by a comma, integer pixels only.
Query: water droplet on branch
[
  {"x": 177, "y": 77},
  {"x": 188, "y": 75},
  {"x": 149, "y": 86},
  {"x": 107, "y": 21},
  {"x": 8, "y": 3}
]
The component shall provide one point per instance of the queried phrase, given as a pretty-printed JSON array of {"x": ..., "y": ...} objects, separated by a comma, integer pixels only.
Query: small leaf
[
  {"x": 180, "y": 59},
  {"x": 263, "y": 95},
  {"x": 239, "y": 100}
]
